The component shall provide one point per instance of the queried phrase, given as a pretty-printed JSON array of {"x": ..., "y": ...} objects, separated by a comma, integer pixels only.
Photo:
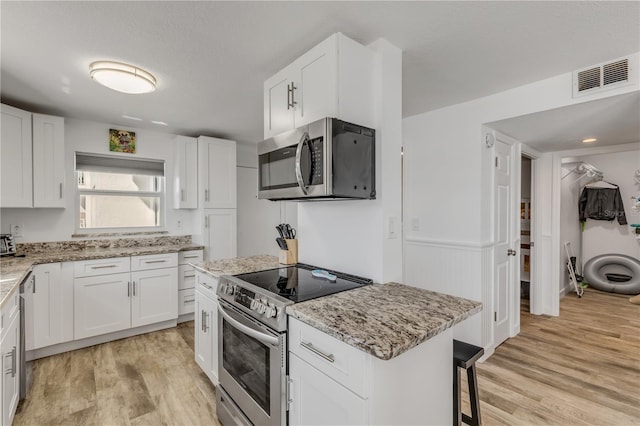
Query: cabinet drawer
[
  {"x": 91, "y": 268},
  {"x": 343, "y": 363},
  {"x": 186, "y": 301},
  {"x": 186, "y": 277},
  {"x": 207, "y": 284},
  {"x": 191, "y": 256},
  {"x": 154, "y": 261}
]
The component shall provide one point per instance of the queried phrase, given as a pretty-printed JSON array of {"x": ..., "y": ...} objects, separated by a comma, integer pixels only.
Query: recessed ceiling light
[
  {"x": 121, "y": 77},
  {"x": 131, "y": 118},
  {"x": 589, "y": 140},
  {"x": 162, "y": 123}
]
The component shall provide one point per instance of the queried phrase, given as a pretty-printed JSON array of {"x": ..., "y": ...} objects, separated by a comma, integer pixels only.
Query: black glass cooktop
[{"x": 297, "y": 284}]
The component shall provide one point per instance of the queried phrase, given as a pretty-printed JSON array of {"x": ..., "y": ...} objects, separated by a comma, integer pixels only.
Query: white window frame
[{"x": 161, "y": 193}]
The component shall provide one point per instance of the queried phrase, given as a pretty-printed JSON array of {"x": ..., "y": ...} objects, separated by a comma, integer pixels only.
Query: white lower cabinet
[
  {"x": 113, "y": 302},
  {"x": 10, "y": 362},
  {"x": 153, "y": 296},
  {"x": 333, "y": 383},
  {"x": 206, "y": 325},
  {"x": 49, "y": 305},
  {"x": 102, "y": 304},
  {"x": 317, "y": 399}
]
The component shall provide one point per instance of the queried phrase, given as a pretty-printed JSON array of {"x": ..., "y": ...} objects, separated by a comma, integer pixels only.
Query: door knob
[{"x": 511, "y": 252}]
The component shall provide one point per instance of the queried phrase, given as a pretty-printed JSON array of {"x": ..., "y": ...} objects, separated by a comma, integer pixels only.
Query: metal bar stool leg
[
  {"x": 457, "y": 396},
  {"x": 474, "y": 420}
]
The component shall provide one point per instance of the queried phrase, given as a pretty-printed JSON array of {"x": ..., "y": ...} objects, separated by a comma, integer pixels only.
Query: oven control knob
[
  {"x": 230, "y": 289},
  {"x": 270, "y": 312}
]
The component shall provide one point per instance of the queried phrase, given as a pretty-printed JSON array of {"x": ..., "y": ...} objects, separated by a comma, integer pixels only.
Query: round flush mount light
[
  {"x": 589, "y": 140},
  {"x": 122, "y": 77}
]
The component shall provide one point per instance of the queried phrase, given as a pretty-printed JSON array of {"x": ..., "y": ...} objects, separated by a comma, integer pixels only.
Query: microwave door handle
[
  {"x": 259, "y": 336},
  {"x": 303, "y": 140}
]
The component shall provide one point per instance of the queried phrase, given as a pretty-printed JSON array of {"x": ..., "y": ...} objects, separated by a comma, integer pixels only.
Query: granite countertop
[
  {"x": 14, "y": 269},
  {"x": 384, "y": 320},
  {"x": 238, "y": 265}
]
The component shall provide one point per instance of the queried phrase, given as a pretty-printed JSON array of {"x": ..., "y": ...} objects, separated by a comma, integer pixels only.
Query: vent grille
[
  {"x": 604, "y": 76},
  {"x": 588, "y": 79},
  {"x": 615, "y": 72}
]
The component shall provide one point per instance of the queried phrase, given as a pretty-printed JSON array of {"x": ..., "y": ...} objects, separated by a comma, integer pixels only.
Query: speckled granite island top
[
  {"x": 384, "y": 320},
  {"x": 14, "y": 269},
  {"x": 238, "y": 265}
]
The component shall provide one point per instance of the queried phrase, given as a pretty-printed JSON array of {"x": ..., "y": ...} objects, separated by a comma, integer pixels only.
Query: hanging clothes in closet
[{"x": 601, "y": 201}]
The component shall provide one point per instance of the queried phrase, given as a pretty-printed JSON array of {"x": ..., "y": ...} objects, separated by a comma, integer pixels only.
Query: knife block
[{"x": 289, "y": 256}]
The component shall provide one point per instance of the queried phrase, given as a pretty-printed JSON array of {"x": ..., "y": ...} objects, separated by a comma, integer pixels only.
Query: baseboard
[
  {"x": 185, "y": 317},
  {"x": 96, "y": 340}
]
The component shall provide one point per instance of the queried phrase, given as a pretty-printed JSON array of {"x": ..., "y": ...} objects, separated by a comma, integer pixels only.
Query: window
[{"x": 119, "y": 193}]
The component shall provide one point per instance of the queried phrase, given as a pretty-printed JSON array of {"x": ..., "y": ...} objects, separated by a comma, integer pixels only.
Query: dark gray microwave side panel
[{"x": 354, "y": 159}]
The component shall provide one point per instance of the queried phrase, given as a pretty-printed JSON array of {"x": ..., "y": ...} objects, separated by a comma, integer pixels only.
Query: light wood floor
[
  {"x": 150, "y": 379},
  {"x": 582, "y": 367}
]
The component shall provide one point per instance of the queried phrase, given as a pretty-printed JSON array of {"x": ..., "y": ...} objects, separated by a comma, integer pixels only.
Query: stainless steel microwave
[{"x": 326, "y": 159}]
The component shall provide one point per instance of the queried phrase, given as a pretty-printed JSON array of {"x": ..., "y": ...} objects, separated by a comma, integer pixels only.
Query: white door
[
  {"x": 220, "y": 234},
  {"x": 316, "y": 399},
  {"x": 48, "y": 304},
  {"x": 278, "y": 113},
  {"x": 102, "y": 304},
  {"x": 316, "y": 83},
  {"x": 154, "y": 296},
  {"x": 16, "y": 178},
  {"x": 48, "y": 161},
  {"x": 10, "y": 371},
  {"x": 504, "y": 249}
]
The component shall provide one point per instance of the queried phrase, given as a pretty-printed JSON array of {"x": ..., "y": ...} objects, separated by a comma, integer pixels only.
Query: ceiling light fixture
[
  {"x": 162, "y": 123},
  {"x": 589, "y": 140},
  {"x": 121, "y": 77},
  {"x": 131, "y": 118}
]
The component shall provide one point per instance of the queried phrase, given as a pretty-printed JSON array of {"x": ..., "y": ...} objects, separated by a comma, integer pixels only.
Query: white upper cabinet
[
  {"x": 218, "y": 172},
  {"x": 48, "y": 161},
  {"x": 333, "y": 79},
  {"x": 185, "y": 186},
  {"x": 32, "y": 157},
  {"x": 15, "y": 158}
]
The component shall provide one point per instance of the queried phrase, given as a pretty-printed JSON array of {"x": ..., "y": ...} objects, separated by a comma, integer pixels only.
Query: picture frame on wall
[{"x": 122, "y": 141}]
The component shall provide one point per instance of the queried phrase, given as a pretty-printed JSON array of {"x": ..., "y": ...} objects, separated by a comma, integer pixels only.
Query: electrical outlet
[
  {"x": 179, "y": 224},
  {"x": 17, "y": 230},
  {"x": 392, "y": 232},
  {"x": 415, "y": 224}
]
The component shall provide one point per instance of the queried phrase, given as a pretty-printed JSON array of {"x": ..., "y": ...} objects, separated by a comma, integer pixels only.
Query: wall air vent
[{"x": 605, "y": 76}]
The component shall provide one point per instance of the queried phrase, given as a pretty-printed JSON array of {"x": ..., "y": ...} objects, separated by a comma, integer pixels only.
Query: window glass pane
[
  {"x": 118, "y": 182},
  {"x": 119, "y": 211}
]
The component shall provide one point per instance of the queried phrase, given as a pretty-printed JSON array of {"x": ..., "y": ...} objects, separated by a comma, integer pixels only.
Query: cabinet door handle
[
  {"x": 309, "y": 346},
  {"x": 206, "y": 286},
  {"x": 61, "y": 190},
  {"x": 206, "y": 195},
  {"x": 206, "y": 221},
  {"x": 34, "y": 284},
  {"x": 191, "y": 256},
  {"x": 189, "y": 301},
  {"x": 128, "y": 288},
  {"x": 189, "y": 276},
  {"x": 103, "y": 266},
  {"x": 134, "y": 289},
  {"x": 290, "y": 95},
  {"x": 155, "y": 261},
  {"x": 182, "y": 195},
  {"x": 14, "y": 362},
  {"x": 206, "y": 327}
]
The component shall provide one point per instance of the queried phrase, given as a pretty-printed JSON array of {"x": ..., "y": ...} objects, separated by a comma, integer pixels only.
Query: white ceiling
[
  {"x": 211, "y": 58},
  {"x": 612, "y": 121}
]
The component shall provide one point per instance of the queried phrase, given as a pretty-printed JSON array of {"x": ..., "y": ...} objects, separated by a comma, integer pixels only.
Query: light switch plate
[{"x": 392, "y": 232}]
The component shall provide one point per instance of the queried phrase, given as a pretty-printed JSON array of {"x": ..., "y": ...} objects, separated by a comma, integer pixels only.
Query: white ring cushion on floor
[{"x": 596, "y": 278}]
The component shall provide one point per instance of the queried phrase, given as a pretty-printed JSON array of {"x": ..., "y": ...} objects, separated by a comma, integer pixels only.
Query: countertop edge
[{"x": 92, "y": 255}]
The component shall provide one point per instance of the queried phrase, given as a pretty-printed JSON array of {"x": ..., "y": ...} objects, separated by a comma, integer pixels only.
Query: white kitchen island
[{"x": 381, "y": 354}]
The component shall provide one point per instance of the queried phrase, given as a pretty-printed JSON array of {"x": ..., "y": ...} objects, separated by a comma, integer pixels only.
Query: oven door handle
[
  {"x": 303, "y": 140},
  {"x": 249, "y": 331}
]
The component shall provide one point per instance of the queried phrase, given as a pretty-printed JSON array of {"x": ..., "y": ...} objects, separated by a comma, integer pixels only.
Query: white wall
[
  {"x": 448, "y": 180},
  {"x": 93, "y": 137},
  {"x": 602, "y": 237},
  {"x": 257, "y": 219},
  {"x": 350, "y": 236}
]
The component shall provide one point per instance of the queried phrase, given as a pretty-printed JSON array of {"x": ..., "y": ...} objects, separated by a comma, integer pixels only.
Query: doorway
[{"x": 526, "y": 243}]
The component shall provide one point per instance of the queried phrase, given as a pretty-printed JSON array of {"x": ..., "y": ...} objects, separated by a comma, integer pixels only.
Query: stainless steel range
[{"x": 252, "y": 338}]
